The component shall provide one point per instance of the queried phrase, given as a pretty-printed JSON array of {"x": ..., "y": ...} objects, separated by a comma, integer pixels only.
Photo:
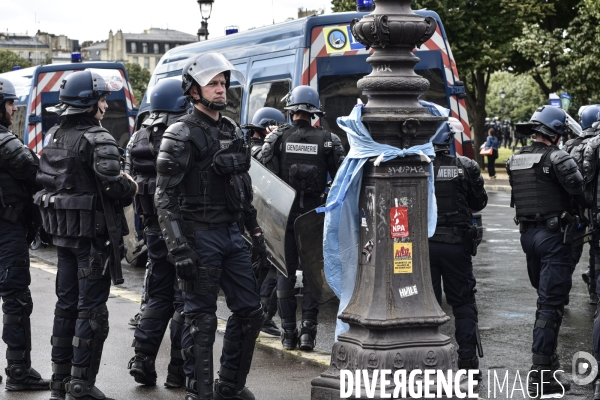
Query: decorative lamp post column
[
  {"x": 205, "y": 11},
  {"x": 393, "y": 314}
]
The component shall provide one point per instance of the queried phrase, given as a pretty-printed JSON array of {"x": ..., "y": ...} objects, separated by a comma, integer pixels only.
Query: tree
[
  {"x": 523, "y": 96},
  {"x": 343, "y": 5},
  {"x": 138, "y": 78},
  {"x": 8, "y": 60}
]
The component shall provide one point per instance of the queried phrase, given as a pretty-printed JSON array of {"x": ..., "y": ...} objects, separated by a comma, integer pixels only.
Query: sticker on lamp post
[
  {"x": 403, "y": 258},
  {"x": 399, "y": 222}
]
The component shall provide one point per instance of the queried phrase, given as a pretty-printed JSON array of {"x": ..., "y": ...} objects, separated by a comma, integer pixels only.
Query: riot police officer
[
  {"x": 459, "y": 189},
  {"x": 302, "y": 156},
  {"x": 18, "y": 166},
  {"x": 202, "y": 190},
  {"x": 583, "y": 156},
  {"x": 82, "y": 208},
  {"x": 164, "y": 300},
  {"x": 545, "y": 183},
  {"x": 264, "y": 120}
]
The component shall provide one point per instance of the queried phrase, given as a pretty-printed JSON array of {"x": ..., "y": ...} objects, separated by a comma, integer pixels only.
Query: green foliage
[
  {"x": 343, "y": 5},
  {"x": 8, "y": 60},
  {"x": 522, "y": 98},
  {"x": 138, "y": 78}
]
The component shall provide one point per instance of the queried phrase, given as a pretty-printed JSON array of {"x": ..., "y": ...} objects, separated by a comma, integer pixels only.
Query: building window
[
  {"x": 134, "y": 47},
  {"x": 135, "y": 60},
  {"x": 145, "y": 48},
  {"x": 97, "y": 52},
  {"x": 147, "y": 62},
  {"x": 167, "y": 47},
  {"x": 156, "y": 48}
]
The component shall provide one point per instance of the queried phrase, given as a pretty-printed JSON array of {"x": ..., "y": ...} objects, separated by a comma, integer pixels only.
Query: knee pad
[
  {"x": 557, "y": 311},
  {"x": 203, "y": 328}
]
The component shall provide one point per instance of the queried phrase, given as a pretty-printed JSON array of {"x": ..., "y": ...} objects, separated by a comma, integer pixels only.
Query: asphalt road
[{"x": 505, "y": 300}]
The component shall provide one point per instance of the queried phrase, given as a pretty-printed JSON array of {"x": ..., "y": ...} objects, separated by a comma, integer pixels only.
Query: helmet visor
[
  {"x": 106, "y": 80},
  {"x": 209, "y": 65}
]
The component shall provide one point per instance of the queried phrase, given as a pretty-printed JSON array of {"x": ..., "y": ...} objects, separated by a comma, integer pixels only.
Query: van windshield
[
  {"x": 339, "y": 94},
  {"x": 115, "y": 120}
]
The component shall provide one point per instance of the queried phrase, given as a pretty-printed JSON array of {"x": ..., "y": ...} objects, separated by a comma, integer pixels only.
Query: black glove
[
  {"x": 185, "y": 264},
  {"x": 259, "y": 248}
]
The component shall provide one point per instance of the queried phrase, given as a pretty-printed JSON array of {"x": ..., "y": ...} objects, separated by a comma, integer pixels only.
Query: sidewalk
[
  {"x": 274, "y": 374},
  {"x": 500, "y": 184}
]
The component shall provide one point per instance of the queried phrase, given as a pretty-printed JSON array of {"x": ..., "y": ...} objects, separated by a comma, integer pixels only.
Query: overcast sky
[{"x": 91, "y": 20}]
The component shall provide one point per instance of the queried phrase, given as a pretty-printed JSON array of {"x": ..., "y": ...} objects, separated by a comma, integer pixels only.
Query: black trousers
[
  {"x": 14, "y": 279},
  {"x": 491, "y": 164},
  {"x": 286, "y": 302},
  {"x": 451, "y": 265},
  {"x": 163, "y": 297},
  {"x": 224, "y": 247},
  {"x": 75, "y": 295},
  {"x": 550, "y": 267}
]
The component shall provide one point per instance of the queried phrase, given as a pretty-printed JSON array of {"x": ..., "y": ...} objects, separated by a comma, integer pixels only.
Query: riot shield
[
  {"x": 273, "y": 200},
  {"x": 309, "y": 239},
  {"x": 135, "y": 247}
]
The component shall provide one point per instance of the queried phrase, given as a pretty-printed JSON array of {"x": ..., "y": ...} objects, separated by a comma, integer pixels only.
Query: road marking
[
  {"x": 266, "y": 340},
  {"x": 497, "y": 205}
]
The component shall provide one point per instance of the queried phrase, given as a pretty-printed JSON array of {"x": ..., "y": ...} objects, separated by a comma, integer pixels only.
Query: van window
[
  {"x": 267, "y": 94},
  {"x": 115, "y": 120},
  {"x": 339, "y": 94},
  {"x": 234, "y": 103}
]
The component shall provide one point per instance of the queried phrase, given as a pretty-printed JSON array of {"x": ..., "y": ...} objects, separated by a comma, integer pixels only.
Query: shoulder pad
[
  {"x": 6, "y": 136},
  {"x": 558, "y": 156},
  {"x": 98, "y": 135},
  {"x": 178, "y": 131},
  {"x": 268, "y": 147},
  {"x": 18, "y": 156},
  {"x": 156, "y": 119}
]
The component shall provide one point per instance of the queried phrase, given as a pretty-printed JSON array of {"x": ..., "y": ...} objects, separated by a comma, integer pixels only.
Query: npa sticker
[
  {"x": 399, "y": 222},
  {"x": 403, "y": 258},
  {"x": 302, "y": 148},
  {"x": 408, "y": 291}
]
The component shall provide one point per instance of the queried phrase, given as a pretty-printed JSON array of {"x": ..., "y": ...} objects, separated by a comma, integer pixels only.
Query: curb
[
  {"x": 265, "y": 340},
  {"x": 498, "y": 188}
]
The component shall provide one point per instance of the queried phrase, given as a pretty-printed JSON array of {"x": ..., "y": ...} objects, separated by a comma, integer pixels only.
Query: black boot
[
  {"x": 175, "y": 375},
  {"x": 135, "y": 320},
  {"x": 58, "y": 389},
  {"x": 270, "y": 327},
  {"x": 470, "y": 363},
  {"x": 20, "y": 378},
  {"x": 227, "y": 390},
  {"x": 308, "y": 335},
  {"x": 191, "y": 396},
  {"x": 79, "y": 389},
  {"x": 289, "y": 338},
  {"x": 550, "y": 384},
  {"x": 141, "y": 367}
]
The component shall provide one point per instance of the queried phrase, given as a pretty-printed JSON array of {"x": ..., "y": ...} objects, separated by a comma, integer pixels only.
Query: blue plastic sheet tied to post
[{"x": 341, "y": 231}]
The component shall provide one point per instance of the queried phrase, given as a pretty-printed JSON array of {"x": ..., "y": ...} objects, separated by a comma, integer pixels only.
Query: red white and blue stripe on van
[
  {"x": 319, "y": 49},
  {"x": 50, "y": 82}
]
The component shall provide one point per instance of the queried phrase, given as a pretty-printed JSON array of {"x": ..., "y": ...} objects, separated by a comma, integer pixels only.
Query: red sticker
[{"x": 399, "y": 222}]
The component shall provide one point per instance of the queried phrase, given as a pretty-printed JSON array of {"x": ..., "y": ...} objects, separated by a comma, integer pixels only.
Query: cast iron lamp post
[
  {"x": 502, "y": 96},
  {"x": 205, "y": 11},
  {"x": 393, "y": 314}
]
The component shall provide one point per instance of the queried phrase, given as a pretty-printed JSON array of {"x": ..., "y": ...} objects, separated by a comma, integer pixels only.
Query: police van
[
  {"x": 38, "y": 87},
  {"x": 321, "y": 52}
]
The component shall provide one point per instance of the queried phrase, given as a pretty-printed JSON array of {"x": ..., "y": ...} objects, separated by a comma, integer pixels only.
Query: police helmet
[
  {"x": 167, "y": 96},
  {"x": 85, "y": 88},
  {"x": 203, "y": 68},
  {"x": 487, "y": 119},
  {"x": 549, "y": 121},
  {"x": 495, "y": 119},
  {"x": 304, "y": 98},
  {"x": 7, "y": 90},
  {"x": 590, "y": 115},
  {"x": 442, "y": 139},
  {"x": 265, "y": 117}
]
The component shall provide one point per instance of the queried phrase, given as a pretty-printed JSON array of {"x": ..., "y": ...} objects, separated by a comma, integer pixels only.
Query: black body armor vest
[
  {"x": 304, "y": 165},
  {"x": 535, "y": 194},
  {"x": 202, "y": 184},
  {"x": 12, "y": 190},
  {"x": 68, "y": 201},
  {"x": 451, "y": 191},
  {"x": 144, "y": 150}
]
